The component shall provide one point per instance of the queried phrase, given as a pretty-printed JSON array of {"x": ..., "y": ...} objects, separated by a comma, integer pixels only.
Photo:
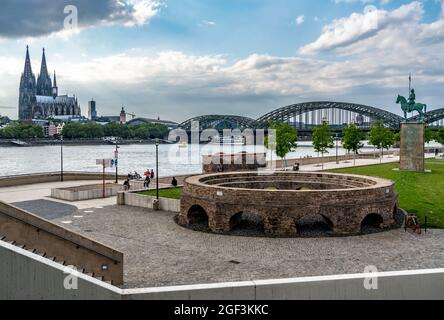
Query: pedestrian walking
[
  {"x": 146, "y": 182},
  {"x": 126, "y": 185}
]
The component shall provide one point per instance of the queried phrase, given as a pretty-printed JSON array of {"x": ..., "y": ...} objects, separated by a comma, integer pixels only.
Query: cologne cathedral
[{"x": 40, "y": 99}]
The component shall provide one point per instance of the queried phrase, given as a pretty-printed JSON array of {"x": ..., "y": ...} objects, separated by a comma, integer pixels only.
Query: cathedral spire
[
  {"x": 43, "y": 68},
  {"x": 55, "y": 89},
  {"x": 44, "y": 86},
  {"x": 28, "y": 68},
  {"x": 27, "y": 90}
]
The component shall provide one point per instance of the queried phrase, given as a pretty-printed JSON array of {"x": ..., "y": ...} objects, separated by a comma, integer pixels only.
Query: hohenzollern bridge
[{"x": 305, "y": 116}]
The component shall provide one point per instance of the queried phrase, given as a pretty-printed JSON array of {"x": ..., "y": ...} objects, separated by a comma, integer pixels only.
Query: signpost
[
  {"x": 105, "y": 163},
  {"x": 116, "y": 157}
]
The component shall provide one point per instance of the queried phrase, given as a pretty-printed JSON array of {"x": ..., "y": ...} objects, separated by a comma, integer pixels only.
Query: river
[{"x": 172, "y": 159}]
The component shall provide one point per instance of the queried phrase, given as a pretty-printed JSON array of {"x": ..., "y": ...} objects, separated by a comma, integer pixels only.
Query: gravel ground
[
  {"x": 47, "y": 209},
  {"x": 158, "y": 252}
]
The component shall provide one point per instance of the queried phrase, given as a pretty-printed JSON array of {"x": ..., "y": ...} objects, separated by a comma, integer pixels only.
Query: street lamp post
[
  {"x": 157, "y": 169},
  {"x": 116, "y": 157},
  {"x": 61, "y": 158},
  {"x": 337, "y": 148}
]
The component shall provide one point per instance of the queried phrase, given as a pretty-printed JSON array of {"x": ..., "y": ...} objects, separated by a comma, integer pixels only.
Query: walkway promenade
[
  {"x": 42, "y": 191},
  {"x": 350, "y": 163}
]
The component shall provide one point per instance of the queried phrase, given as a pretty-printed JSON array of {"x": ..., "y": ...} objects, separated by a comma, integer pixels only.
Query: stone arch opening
[
  {"x": 314, "y": 225},
  {"x": 198, "y": 217},
  {"x": 247, "y": 223},
  {"x": 372, "y": 222}
]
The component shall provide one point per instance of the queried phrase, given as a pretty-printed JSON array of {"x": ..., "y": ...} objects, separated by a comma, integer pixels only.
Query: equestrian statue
[{"x": 410, "y": 105}]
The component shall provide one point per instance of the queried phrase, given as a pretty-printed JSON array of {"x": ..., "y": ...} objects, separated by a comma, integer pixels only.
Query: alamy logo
[
  {"x": 72, "y": 17},
  {"x": 71, "y": 281},
  {"x": 371, "y": 281},
  {"x": 371, "y": 18}
]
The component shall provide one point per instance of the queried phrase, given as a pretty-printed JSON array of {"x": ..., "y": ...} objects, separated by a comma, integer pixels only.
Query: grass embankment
[
  {"x": 171, "y": 193},
  {"x": 433, "y": 160},
  {"x": 419, "y": 193}
]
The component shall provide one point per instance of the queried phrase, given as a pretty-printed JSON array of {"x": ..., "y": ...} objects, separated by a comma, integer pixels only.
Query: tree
[
  {"x": 429, "y": 134},
  {"x": 95, "y": 131},
  {"x": 286, "y": 139},
  {"x": 322, "y": 139},
  {"x": 440, "y": 136},
  {"x": 352, "y": 140},
  {"x": 381, "y": 137},
  {"x": 21, "y": 131}
]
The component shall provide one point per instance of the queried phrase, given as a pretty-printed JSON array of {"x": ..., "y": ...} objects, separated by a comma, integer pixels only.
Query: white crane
[{"x": 133, "y": 116}]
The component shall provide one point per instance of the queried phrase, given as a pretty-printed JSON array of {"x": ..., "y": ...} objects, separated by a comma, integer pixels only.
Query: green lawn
[
  {"x": 435, "y": 160},
  {"x": 172, "y": 193},
  {"x": 419, "y": 193}
]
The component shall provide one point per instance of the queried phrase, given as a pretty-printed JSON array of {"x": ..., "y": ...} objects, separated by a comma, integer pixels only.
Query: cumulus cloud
[
  {"x": 28, "y": 19},
  {"x": 177, "y": 85},
  {"x": 361, "y": 26}
]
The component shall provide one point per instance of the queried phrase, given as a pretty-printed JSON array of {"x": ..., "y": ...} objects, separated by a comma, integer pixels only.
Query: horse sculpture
[{"x": 407, "y": 107}]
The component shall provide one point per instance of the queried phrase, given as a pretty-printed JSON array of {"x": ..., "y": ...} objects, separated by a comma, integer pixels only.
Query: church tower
[
  {"x": 123, "y": 116},
  {"x": 27, "y": 91},
  {"x": 55, "y": 89},
  {"x": 44, "y": 85}
]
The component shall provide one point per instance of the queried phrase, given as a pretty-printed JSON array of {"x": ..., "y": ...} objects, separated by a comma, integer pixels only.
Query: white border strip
[{"x": 198, "y": 287}]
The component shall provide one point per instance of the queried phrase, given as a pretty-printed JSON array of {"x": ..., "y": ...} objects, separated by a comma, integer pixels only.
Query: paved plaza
[{"x": 158, "y": 252}]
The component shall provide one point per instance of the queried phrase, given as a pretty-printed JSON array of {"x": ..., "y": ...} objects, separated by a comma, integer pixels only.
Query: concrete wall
[
  {"x": 24, "y": 275},
  {"x": 95, "y": 192},
  {"x": 331, "y": 158},
  {"x": 20, "y": 180},
  {"x": 135, "y": 199},
  {"x": 26, "y": 179}
]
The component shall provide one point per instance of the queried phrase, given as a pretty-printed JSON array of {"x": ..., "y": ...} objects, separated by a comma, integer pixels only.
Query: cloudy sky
[{"x": 180, "y": 58}]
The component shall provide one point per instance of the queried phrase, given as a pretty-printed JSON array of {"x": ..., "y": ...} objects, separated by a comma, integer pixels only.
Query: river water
[{"x": 172, "y": 159}]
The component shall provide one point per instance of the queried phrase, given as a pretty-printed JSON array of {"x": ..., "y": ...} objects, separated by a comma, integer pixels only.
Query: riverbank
[{"x": 74, "y": 142}]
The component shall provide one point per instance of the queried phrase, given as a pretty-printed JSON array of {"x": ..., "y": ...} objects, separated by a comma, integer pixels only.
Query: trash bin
[{"x": 156, "y": 205}]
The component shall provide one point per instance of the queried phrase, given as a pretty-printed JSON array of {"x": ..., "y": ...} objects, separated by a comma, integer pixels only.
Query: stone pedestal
[{"x": 412, "y": 146}]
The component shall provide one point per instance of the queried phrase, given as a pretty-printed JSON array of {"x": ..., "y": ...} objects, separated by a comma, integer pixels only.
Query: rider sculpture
[
  {"x": 412, "y": 97},
  {"x": 410, "y": 105}
]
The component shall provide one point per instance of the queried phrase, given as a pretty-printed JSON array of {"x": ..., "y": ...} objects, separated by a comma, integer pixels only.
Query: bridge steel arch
[
  {"x": 286, "y": 113},
  {"x": 431, "y": 116},
  {"x": 220, "y": 122}
]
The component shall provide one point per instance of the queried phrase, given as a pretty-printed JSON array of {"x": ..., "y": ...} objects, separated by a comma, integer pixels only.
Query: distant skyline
[{"x": 176, "y": 59}]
